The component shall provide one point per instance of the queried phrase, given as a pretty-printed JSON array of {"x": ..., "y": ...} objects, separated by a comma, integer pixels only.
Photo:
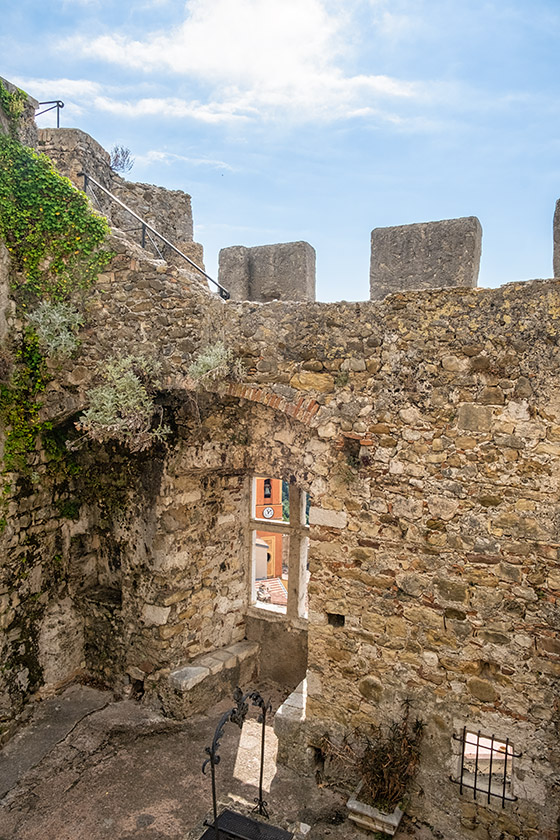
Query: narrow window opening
[
  {"x": 336, "y": 620},
  {"x": 279, "y": 546}
]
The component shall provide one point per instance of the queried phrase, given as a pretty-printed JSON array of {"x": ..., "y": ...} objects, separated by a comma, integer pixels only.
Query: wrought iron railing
[
  {"x": 147, "y": 232},
  {"x": 231, "y": 825},
  {"x": 54, "y": 103}
]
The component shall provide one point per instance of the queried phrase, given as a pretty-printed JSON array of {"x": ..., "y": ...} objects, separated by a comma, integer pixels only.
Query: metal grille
[
  {"x": 232, "y": 825},
  {"x": 486, "y": 765}
]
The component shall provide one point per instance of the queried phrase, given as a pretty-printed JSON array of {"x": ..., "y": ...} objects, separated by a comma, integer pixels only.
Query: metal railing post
[
  {"x": 54, "y": 103},
  {"x": 147, "y": 229}
]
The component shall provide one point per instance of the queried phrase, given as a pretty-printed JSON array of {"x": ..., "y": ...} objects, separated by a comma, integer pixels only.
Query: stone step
[{"x": 195, "y": 687}]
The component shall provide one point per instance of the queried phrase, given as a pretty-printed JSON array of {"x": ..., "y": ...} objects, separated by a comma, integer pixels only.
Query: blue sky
[{"x": 317, "y": 119}]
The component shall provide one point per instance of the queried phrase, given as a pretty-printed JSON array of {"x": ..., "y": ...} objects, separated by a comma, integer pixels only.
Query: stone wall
[
  {"x": 429, "y": 255},
  {"x": 167, "y": 211},
  {"x": 426, "y": 429},
  {"x": 269, "y": 272},
  {"x": 26, "y": 127}
]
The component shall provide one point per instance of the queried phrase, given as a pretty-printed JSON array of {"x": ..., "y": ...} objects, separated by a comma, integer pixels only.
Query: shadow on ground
[{"x": 90, "y": 768}]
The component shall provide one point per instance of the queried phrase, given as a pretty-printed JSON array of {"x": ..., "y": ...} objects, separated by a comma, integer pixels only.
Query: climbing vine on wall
[
  {"x": 54, "y": 240},
  {"x": 12, "y": 104},
  {"x": 49, "y": 228}
]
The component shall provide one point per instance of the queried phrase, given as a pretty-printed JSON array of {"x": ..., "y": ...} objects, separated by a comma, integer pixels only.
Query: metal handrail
[
  {"x": 54, "y": 103},
  {"x": 224, "y": 294}
]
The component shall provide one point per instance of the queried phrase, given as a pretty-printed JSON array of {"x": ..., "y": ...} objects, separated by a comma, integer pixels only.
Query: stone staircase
[
  {"x": 274, "y": 590},
  {"x": 195, "y": 687}
]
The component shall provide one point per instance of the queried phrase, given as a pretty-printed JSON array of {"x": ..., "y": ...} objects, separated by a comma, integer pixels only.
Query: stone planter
[{"x": 366, "y": 816}]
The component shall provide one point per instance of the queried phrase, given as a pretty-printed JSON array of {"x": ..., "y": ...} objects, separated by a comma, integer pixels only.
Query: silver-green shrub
[
  {"x": 214, "y": 363},
  {"x": 122, "y": 407},
  {"x": 56, "y": 325}
]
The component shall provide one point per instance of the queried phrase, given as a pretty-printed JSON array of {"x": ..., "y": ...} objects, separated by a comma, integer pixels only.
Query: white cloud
[
  {"x": 257, "y": 58},
  {"x": 80, "y": 94},
  {"x": 155, "y": 156},
  {"x": 59, "y": 88},
  {"x": 213, "y": 112}
]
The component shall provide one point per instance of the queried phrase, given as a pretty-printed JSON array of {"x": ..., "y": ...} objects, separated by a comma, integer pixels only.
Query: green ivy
[
  {"x": 12, "y": 104},
  {"x": 19, "y": 405},
  {"x": 49, "y": 228},
  {"x": 54, "y": 240}
]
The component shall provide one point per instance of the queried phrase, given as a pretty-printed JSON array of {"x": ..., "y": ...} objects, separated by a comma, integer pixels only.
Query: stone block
[
  {"x": 233, "y": 271},
  {"x": 243, "y": 650},
  {"x": 475, "y": 418},
  {"x": 154, "y": 615},
  {"x": 482, "y": 689},
  {"x": 213, "y": 663},
  {"x": 328, "y": 518},
  {"x": 186, "y": 678},
  {"x": 285, "y": 271},
  {"x": 308, "y": 381},
  {"x": 206, "y": 679},
  {"x": 429, "y": 255}
]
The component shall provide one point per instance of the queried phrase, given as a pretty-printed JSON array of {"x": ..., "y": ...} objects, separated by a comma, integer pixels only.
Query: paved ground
[{"x": 90, "y": 768}]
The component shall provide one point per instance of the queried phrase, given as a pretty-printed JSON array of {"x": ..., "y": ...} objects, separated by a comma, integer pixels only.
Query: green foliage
[
  {"x": 122, "y": 408},
  {"x": 51, "y": 232},
  {"x": 69, "y": 509},
  {"x": 54, "y": 240},
  {"x": 56, "y": 324},
  {"x": 18, "y": 403},
  {"x": 12, "y": 105},
  {"x": 214, "y": 363}
]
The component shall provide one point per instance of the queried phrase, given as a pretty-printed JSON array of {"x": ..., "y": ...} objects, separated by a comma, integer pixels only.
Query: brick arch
[{"x": 304, "y": 410}]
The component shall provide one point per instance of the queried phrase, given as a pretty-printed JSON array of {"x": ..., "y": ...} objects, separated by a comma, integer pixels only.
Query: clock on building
[{"x": 268, "y": 512}]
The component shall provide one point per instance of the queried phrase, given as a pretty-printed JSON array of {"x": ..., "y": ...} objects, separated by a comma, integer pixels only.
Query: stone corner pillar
[
  {"x": 26, "y": 130},
  {"x": 233, "y": 271},
  {"x": 556, "y": 241},
  {"x": 428, "y": 255},
  {"x": 284, "y": 271}
]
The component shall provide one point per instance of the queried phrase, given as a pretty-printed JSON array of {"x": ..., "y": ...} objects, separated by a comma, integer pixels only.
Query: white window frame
[{"x": 298, "y": 532}]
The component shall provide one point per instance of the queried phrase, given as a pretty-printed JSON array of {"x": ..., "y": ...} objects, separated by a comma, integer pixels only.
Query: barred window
[{"x": 486, "y": 765}]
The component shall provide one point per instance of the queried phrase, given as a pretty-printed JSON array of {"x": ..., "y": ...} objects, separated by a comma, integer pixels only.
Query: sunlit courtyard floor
[{"x": 88, "y": 767}]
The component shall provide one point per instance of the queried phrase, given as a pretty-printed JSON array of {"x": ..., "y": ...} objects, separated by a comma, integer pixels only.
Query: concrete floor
[{"x": 88, "y": 767}]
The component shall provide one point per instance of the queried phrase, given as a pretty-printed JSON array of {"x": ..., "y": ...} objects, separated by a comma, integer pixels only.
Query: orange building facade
[{"x": 268, "y": 506}]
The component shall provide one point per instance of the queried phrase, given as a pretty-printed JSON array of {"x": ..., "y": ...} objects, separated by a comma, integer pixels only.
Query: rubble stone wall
[
  {"x": 426, "y": 429},
  {"x": 26, "y": 127},
  {"x": 167, "y": 211},
  {"x": 556, "y": 240}
]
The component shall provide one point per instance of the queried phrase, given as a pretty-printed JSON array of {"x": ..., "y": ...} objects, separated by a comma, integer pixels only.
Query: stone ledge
[
  {"x": 184, "y": 679},
  {"x": 196, "y": 686}
]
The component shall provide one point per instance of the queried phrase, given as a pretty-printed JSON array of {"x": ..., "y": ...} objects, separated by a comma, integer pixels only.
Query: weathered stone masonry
[{"x": 426, "y": 429}]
